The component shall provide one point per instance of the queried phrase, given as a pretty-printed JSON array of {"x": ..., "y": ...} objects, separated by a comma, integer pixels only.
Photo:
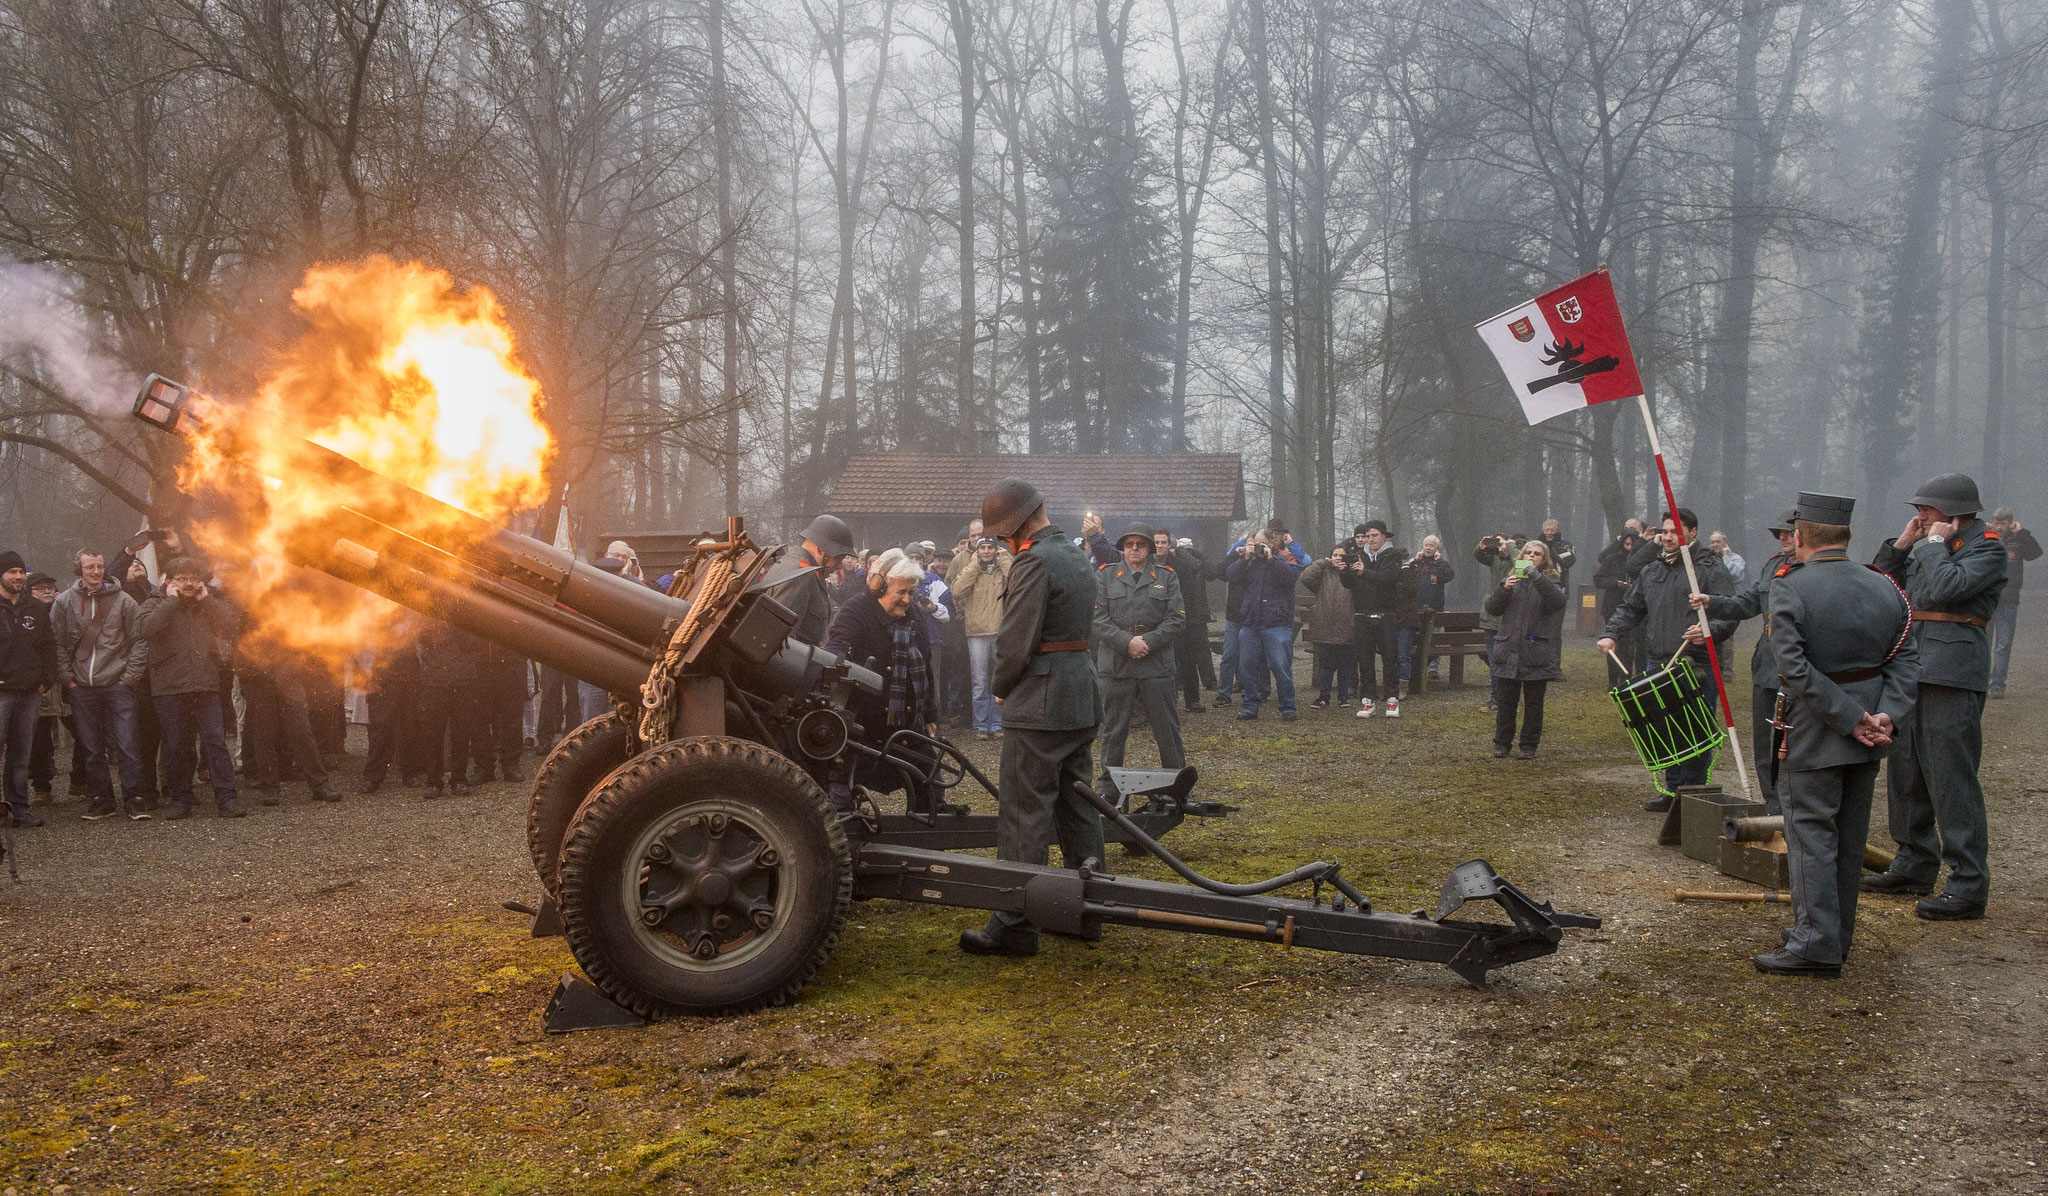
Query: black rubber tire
[
  {"x": 584, "y": 758},
  {"x": 755, "y": 786}
]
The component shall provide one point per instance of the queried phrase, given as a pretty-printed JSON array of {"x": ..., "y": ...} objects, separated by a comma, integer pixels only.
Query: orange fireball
[{"x": 401, "y": 371}]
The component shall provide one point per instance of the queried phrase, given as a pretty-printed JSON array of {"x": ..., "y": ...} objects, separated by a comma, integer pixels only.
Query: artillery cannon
[{"x": 685, "y": 839}]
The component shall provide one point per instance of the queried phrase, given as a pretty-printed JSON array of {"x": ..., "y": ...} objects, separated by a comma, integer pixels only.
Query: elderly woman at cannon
[{"x": 880, "y": 629}]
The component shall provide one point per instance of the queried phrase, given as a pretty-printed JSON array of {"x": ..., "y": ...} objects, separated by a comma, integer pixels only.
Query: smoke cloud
[{"x": 43, "y": 330}]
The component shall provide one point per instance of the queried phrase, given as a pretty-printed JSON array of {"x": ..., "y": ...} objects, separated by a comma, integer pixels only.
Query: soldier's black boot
[
  {"x": 996, "y": 940},
  {"x": 1783, "y": 962},
  {"x": 1897, "y": 883},
  {"x": 1949, "y": 908}
]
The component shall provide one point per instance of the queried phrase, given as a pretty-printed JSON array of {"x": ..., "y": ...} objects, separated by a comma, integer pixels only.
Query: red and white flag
[{"x": 1565, "y": 349}]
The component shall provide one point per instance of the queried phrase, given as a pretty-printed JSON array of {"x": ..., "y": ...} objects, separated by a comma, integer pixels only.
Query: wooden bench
[{"x": 1452, "y": 633}]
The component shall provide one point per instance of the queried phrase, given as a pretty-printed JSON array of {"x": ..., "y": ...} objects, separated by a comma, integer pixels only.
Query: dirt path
[{"x": 1939, "y": 1032}]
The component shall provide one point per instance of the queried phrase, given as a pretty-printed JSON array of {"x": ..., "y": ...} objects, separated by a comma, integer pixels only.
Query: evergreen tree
[{"x": 1108, "y": 300}]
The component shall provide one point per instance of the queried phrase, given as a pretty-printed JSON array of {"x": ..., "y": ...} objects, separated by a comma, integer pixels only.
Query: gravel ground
[{"x": 327, "y": 999}]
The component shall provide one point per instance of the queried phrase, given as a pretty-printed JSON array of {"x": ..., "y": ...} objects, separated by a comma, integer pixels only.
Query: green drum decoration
[{"x": 1670, "y": 717}]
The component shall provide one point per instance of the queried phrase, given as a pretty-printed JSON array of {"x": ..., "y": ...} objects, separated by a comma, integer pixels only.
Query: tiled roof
[{"x": 1121, "y": 485}]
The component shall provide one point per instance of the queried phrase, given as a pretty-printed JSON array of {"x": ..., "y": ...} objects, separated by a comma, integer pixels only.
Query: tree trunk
[
  {"x": 1277, "y": 421},
  {"x": 728, "y": 251},
  {"x": 1913, "y": 291},
  {"x": 962, "y": 15}
]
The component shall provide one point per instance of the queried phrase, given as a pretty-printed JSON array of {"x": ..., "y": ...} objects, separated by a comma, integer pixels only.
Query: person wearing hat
[
  {"x": 190, "y": 630},
  {"x": 1051, "y": 705},
  {"x": 1139, "y": 613},
  {"x": 1847, "y": 669},
  {"x": 1373, "y": 575},
  {"x": 1659, "y": 604},
  {"x": 1952, "y": 565},
  {"x": 977, "y": 579},
  {"x": 1748, "y": 602},
  {"x": 28, "y": 667},
  {"x": 825, "y": 543}
]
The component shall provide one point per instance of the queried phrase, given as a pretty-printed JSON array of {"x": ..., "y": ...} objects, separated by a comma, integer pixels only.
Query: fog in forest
[{"x": 740, "y": 242}]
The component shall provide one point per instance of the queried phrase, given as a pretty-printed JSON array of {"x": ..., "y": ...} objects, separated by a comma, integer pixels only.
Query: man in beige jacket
[{"x": 977, "y": 579}]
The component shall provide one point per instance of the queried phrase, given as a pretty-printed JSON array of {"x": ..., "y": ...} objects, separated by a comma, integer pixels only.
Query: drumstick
[
  {"x": 1675, "y": 655},
  {"x": 1617, "y": 662},
  {"x": 1771, "y": 897}
]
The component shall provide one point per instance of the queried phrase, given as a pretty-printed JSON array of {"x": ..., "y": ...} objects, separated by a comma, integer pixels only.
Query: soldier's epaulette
[
  {"x": 1162, "y": 565},
  {"x": 1101, "y": 567},
  {"x": 1783, "y": 569},
  {"x": 1989, "y": 534}
]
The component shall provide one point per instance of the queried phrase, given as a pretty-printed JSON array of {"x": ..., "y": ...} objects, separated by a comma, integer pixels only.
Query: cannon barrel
[{"x": 533, "y": 598}]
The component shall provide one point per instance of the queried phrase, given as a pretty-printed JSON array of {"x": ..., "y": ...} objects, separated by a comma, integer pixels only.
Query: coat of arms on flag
[{"x": 1565, "y": 349}]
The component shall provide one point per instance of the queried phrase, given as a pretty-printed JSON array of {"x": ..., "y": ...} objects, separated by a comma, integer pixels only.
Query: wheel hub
[{"x": 708, "y": 883}]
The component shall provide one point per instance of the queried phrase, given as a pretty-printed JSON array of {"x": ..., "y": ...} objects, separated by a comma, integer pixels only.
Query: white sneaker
[
  {"x": 1393, "y": 708},
  {"x": 1365, "y": 708}
]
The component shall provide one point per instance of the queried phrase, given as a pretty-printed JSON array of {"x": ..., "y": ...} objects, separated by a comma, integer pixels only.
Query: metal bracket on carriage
[{"x": 1165, "y": 791}]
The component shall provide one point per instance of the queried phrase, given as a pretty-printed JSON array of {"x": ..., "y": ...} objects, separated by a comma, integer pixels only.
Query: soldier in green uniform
[
  {"x": 1747, "y": 603},
  {"x": 1050, "y": 704},
  {"x": 808, "y": 595},
  {"x": 1952, "y": 566},
  {"x": 1847, "y": 670},
  {"x": 1138, "y": 614}
]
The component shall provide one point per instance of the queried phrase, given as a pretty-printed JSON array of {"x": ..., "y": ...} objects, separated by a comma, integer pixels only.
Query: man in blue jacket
[{"x": 1265, "y": 618}]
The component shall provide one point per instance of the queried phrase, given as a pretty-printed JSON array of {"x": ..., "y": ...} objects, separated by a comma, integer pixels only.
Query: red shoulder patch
[
  {"x": 1782, "y": 570},
  {"x": 1163, "y": 565},
  {"x": 1989, "y": 534}
]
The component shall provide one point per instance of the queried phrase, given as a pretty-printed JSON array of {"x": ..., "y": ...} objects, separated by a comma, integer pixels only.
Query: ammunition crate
[
  {"x": 1762, "y": 863},
  {"x": 1700, "y": 812}
]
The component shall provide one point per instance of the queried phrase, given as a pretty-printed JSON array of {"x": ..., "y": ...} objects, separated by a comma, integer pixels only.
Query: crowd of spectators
[
  {"x": 163, "y": 683},
  {"x": 157, "y": 682}
]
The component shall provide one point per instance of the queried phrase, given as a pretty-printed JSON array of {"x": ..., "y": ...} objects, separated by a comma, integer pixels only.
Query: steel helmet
[
  {"x": 1950, "y": 493},
  {"x": 1141, "y": 530},
  {"x": 1007, "y": 505},
  {"x": 831, "y": 535}
]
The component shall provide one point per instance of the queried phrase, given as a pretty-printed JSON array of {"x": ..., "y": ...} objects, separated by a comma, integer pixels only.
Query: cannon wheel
[
  {"x": 584, "y": 758},
  {"x": 707, "y": 876}
]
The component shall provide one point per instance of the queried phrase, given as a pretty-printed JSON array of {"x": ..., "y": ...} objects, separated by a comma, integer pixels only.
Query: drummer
[
  {"x": 1748, "y": 602},
  {"x": 1848, "y": 673},
  {"x": 1658, "y": 605}
]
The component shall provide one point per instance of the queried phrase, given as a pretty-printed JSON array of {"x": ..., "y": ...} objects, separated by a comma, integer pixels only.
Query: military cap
[
  {"x": 1949, "y": 493},
  {"x": 1784, "y": 522},
  {"x": 1141, "y": 530},
  {"x": 1824, "y": 508},
  {"x": 831, "y": 535},
  {"x": 1008, "y": 504}
]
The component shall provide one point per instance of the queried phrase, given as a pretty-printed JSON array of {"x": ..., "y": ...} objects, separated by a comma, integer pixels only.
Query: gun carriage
[{"x": 685, "y": 837}]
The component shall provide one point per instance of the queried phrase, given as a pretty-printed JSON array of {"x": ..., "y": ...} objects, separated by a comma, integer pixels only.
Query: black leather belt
[
  {"x": 1143, "y": 629},
  {"x": 1851, "y": 676}
]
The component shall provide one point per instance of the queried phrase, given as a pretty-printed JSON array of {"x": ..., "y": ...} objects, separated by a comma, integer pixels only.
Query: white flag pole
[{"x": 1692, "y": 578}]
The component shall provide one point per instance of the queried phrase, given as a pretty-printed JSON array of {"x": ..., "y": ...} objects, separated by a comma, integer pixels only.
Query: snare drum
[{"x": 1670, "y": 716}]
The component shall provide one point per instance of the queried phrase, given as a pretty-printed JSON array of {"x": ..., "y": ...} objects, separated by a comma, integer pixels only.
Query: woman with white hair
[{"x": 878, "y": 628}]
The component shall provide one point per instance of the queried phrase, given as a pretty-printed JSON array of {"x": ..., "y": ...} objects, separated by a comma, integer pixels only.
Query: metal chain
[{"x": 658, "y": 693}]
